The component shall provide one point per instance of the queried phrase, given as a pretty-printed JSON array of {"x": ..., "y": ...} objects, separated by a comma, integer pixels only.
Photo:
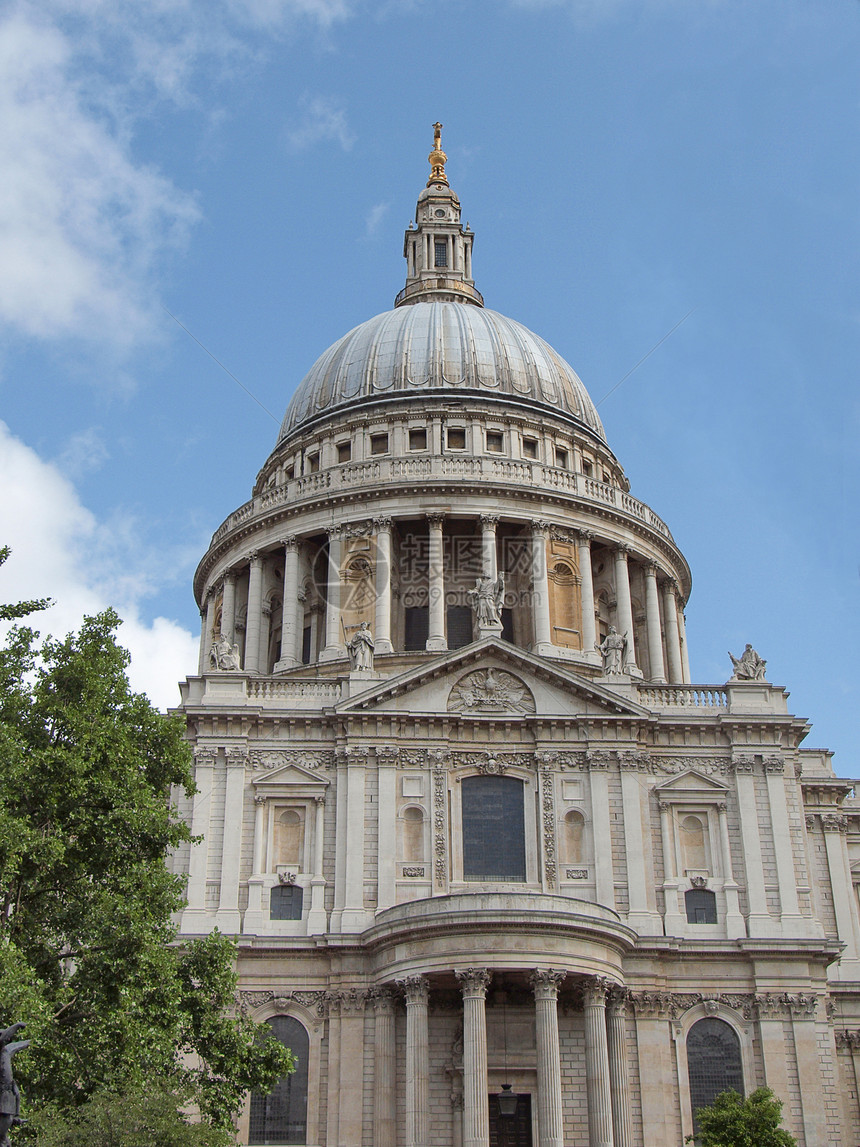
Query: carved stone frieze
[
  {"x": 848, "y": 1040},
  {"x": 314, "y": 1001},
  {"x": 599, "y": 759},
  {"x": 205, "y": 758},
  {"x": 489, "y": 763},
  {"x": 639, "y": 759},
  {"x": 774, "y": 765},
  {"x": 576, "y": 874},
  {"x": 742, "y": 764},
  {"x": 779, "y": 1005},
  {"x": 279, "y": 758},
  {"x": 810, "y": 822},
  {"x": 833, "y": 822},
  {"x": 412, "y": 758},
  {"x": 413, "y": 871},
  {"x": 387, "y": 755},
  {"x": 490, "y": 691}
]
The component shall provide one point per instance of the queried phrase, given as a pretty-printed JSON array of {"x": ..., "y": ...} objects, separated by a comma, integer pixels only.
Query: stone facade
[{"x": 508, "y": 853}]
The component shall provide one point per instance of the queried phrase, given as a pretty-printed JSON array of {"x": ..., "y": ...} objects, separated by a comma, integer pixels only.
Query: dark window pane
[
  {"x": 459, "y": 626},
  {"x": 701, "y": 906},
  {"x": 306, "y": 645},
  {"x": 286, "y": 902},
  {"x": 441, "y": 254},
  {"x": 282, "y": 1115},
  {"x": 494, "y": 842},
  {"x": 417, "y": 627},
  {"x": 507, "y": 624},
  {"x": 511, "y": 1130},
  {"x": 713, "y": 1062}
]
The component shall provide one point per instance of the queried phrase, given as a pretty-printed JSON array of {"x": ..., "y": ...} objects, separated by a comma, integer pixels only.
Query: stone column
[
  {"x": 793, "y": 924},
  {"x": 682, "y": 638},
  {"x": 476, "y": 1116},
  {"x": 673, "y": 640},
  {"x": 835, "y": 826},
  {"x": 619, "y": 1087},
  {"x": 227, "y": 917},
  {"x": 641, "y": 915},
  {"x": 417, "y": 993},
  {"x": 589, "y": 631},
  {"x": 759, "y": 922},
  {"x": 652, "y": 613},
  {"x": 334, "y": 643},
  {"x": 354, "y": 917},
  {"x": 674, "y": 919},
  {"x": 436, "y": 640},
  {"x": 207, "y": 617},
  {"x": 550, "y": 1118},
  {"x": 735, "y": 925},
  {"x": 317, "y": 914},
  {"x": 382, "y": 622},
  {"x": 385, "y": 1070},
  {"x": 386, "y": 873},
  {"x": 228, "y": 607},
  {"x": 604, "y": 874},
  {"x": 195, "y": 911},
  {"x": 623, "y": 605},
  {"x": 265, "y": 635},
  {"x": 489, "y": 558},
  {"x": 255, "y": 614},
  {"x": 290, "y": 628},
  {"x": 597, "y": 1065},
  {"x": 540, "y": 589}
]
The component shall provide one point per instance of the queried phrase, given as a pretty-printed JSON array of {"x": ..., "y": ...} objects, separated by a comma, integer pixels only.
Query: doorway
[{"x": 511, "y": 1130}]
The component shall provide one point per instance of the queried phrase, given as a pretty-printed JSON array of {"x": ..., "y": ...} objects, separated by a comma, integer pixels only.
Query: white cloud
[
  {"x": 323, "y": 120},
  {"x": 61, "y": 550},
  {"x": 374, "y": 217},
  {"x": 83, "y": 453}
]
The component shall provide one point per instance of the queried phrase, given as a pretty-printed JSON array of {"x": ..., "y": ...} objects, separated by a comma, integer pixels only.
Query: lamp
[{"x": 507, "y": 1099}]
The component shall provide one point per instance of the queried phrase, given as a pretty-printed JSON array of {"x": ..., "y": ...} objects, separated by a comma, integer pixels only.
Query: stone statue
[
  {"x": 223, "y": 655},
  {"x": 10, "y": 1096},
  {"x": 613, "y": 649},
  {"x": 360, "y": 648},
  {"x": 749, "y": 666},
  {"x": 486, "y": 600}
]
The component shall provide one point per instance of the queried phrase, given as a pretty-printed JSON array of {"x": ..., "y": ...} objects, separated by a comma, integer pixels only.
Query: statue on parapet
[
  {"x": 749, "y": 666},
  {"x": 486, "y": 600},
  {"x": 223, "y": 655},
  {"x": 613, "y": 650},
  {"x": 10, "y": 1096},
  {"x": 360, "y": 647}
]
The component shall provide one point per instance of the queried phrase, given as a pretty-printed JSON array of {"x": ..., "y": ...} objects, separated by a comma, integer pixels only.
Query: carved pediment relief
[
  {"x": 290, "y": 779},
  {"x": 691, "y": 785},
  {"x": 490, "y": 691}
]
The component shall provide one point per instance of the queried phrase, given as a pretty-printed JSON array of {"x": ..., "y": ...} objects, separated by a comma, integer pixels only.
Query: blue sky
[{"x": 250, "y": 165}]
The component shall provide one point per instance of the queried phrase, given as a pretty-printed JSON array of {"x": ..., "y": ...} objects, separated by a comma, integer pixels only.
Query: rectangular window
[
  {"x": 530, "y": 448},
  {"x": 344, "y": 451},
  {"x": 306, "y": 645},
  {"x": 417, "y": 439},
  {"x": 379, "y": 444},
  {"x": 494, "y": 842},
  {"x": 289, "y": 473},
  {"x": 459, "y": 619},
  {"x": 561, "y": 458},
  {"x": 441, "y": 253},
  {"x": 456, "y": 438},
  {"x": 313, "y": 463},
  {"x": 285, "y": 902},
  {"x": 587, "y": 468},
  {"x": 417, "y": 626},
  {"x": 495, "y": 441}
]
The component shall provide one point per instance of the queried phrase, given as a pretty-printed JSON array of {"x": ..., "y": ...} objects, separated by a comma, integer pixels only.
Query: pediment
[
  {"x": 292, "y": 776},
  {"x": 491, "y": 678},
  {"x": 691, "y": 784}
]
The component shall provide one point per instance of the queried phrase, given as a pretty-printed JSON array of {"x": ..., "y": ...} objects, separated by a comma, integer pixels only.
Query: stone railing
[
  {"x": 683, "y": 696},
  {"x": 266, "y": 689},
  {"x": 355, "y": 475}
]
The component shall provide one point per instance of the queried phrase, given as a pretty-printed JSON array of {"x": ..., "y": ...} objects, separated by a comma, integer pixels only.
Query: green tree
[
  {"x": 732, "y": 1121},
  {"x": 88, "y": 951}
]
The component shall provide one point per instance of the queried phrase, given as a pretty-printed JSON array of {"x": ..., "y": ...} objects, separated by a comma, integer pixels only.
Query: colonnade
[
  {"x": 664, "y": 625},
  {"x": 604, "y": 1006}
]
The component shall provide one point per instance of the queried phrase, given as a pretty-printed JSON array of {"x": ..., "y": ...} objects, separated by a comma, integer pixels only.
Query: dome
[{"x": 449, "y": 348}]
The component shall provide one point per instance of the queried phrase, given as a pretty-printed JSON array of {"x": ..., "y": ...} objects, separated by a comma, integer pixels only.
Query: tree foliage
[
  {"x": 88, "y": 952},
  {"x": 732, "y": 1121}
]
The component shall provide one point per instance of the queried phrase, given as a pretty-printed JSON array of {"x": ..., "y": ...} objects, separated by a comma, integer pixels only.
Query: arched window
[
  {"x": 573, "y": 838},
  {"x": 282, "y": 1115},
  {"x": 713, "y": 1062},
  {"x": 289, "y": 837},
  {"x": 494, "y": 845},
  {"x": 701, "y": 905},
  {"x": 694, "y": 843},
  {"x": 412, "y": 836}
]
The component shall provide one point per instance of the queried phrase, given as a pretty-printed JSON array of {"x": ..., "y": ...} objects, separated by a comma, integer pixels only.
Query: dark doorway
[{"x": 511, "y": 1130}]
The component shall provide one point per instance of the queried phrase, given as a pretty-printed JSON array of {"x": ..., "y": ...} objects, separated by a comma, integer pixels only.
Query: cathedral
[{"x": 499, "y": 872}]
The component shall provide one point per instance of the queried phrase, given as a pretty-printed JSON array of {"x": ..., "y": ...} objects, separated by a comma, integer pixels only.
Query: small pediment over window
[{"x": 691, "y": 785}]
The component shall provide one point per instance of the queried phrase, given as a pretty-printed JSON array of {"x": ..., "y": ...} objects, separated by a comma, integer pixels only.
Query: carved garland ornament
[
  {"x": 490, "y": 691},
  {"x": 313, "y": 1001},
  {"x": 439, "y": 760},
  {"x": 279, "y": 758},
  {"x": 546, "y": 765}
]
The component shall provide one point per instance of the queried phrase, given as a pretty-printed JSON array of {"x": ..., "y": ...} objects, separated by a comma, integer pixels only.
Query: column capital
[
  {"x": 540, "y": 526},
  {"x": 474, "y": 982},
  {"x": 651, "y": 569},
  {"x": 258, "y": 800},
  {"x": 595, "y": 991},
  {"x": 618, "y": 1000},
  {"x": 334, "y": 532},
  {"x": 382, "y": 525},
  {"x": 622, "y": 552},
  {"x": 670, "y": 586},
  {"x": 230, "y": 576},
  {"x": 546, "y": 982},
  {"x": 254, "y": 557},
  {"x": 585, "y": 537},
  {"x": 290, "y": 542},
  {"x": 381, "y": 999},
  {"x": 435, "y": 520},
  {"x": 416, "y": 989},
  {"x": 489, "y": 521}
]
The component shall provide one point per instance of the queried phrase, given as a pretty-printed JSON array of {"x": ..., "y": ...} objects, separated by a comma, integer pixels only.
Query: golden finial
[{"x": 437, "y": 158}]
